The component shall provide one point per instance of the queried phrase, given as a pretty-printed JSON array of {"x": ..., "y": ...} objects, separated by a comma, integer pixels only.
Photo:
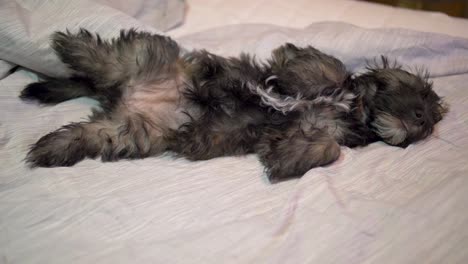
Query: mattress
[{"x": 376, "y": 204}]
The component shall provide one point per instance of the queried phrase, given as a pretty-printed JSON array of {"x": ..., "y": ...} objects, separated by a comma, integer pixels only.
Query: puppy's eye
[{"x": 418, "y": 114}]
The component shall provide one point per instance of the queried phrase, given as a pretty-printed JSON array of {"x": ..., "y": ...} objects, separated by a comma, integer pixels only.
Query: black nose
[
  {"x": 420, "y": 122},
  {"x": 419, "y": 119}
]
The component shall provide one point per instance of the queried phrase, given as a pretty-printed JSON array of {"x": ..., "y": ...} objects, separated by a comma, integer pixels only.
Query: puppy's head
[{"x": 402, "y": 107}]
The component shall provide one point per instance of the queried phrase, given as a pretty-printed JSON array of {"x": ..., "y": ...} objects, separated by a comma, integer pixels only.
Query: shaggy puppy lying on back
[{"x": 294, "y": 111}]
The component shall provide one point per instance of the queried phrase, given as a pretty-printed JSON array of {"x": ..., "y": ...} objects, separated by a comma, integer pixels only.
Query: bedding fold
[{"x": 439, "y": 54}]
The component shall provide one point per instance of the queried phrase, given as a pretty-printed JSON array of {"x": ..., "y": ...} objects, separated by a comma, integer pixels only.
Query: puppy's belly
[{"x": 160, "y": 103}]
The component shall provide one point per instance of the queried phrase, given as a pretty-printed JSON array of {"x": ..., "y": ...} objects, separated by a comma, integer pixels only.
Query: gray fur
[{"x": 293, "y": 111}]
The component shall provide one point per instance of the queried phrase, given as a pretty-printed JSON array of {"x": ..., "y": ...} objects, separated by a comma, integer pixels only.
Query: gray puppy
[{"x": 294, "y": 111}]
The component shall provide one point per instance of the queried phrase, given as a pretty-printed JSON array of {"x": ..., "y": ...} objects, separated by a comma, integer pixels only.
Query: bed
[{"x": 377, "y": 204}]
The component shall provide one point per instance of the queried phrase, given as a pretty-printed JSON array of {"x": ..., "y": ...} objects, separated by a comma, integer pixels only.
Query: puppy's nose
[
  {"x": 419, "y": 119},
  {"x": 420, "y": 122}
]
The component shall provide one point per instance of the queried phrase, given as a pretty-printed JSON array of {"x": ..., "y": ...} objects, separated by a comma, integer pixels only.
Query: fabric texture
[
  {"x": 377, "y": 204},
  {"x": 207, "y": 14},
  {"x": 5, "y": 68},
  {"x": 161, "y": 14}
]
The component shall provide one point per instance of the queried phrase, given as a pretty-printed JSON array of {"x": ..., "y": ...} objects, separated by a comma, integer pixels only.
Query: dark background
[{"x": 457, "y": 8}]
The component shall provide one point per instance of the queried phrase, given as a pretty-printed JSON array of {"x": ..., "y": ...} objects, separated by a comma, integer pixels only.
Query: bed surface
[
  {"x": 206, "y": 14},
  {"x": 377, "y": 204}
]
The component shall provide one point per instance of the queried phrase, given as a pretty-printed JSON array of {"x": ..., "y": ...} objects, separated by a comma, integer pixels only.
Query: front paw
[
  {"x": 57, "y": 149},
  {"x": 292, "y": 153}
]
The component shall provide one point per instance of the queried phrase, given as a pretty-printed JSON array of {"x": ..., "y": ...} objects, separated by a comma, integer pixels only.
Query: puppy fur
[{"x": 294, "y": 110}]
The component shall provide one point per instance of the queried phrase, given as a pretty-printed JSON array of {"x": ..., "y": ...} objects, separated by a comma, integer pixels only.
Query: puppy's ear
[{"x": 366, "y": 86}]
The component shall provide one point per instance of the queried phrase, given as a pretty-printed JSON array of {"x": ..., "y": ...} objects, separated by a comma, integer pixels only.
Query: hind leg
[
  {"x": 104, "y": 68},
  {"x": 109, "y": 138},
  {"x": 55, "y": 91},
  {"x": 133, "y": 55}
]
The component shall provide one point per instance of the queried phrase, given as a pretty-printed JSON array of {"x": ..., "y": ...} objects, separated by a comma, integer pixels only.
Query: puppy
[{"x": 294, "y": 110}]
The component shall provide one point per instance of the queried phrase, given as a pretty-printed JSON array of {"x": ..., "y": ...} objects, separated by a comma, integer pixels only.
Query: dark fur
[{"x": 294, "y": 111}]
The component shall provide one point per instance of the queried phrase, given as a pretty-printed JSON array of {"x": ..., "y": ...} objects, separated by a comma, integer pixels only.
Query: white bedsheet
[
  {"x": 377, "y": 204},
  {"x": 206, "y": 14}
]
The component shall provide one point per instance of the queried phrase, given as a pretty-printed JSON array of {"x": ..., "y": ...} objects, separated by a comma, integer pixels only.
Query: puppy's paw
[
  {"x": 57, "y": 149},
  {"x": 293, "y": 152},
  {"x": 36, "y": 91},
  {"x": 54, "y": 91}
]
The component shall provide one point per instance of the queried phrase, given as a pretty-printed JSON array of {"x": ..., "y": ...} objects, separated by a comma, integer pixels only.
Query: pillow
[
  {"x": 160, "y": 14},
  {"x": 5, "y": 68},
  {"x": 28, "y": 24}
]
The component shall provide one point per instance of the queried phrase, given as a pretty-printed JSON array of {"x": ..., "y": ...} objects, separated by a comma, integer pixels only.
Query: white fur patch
[
  {"x": 285, "y": 104},
  {"x": 273, "y": 77},
  {"x": 342, "y": 100},
  {"x": 274, "y": 100},
  {"x": 390, "y": 129}
]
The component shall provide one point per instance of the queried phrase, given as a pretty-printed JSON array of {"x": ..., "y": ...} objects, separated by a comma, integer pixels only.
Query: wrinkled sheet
[
  {"x": 377, "y": 204},
  {"x": 206, "y": 14}
]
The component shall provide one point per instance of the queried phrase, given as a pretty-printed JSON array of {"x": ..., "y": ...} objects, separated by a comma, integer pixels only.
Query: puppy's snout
[
  {"x": 420, "y": 122},
  {"x": 419, "y": 118}
]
